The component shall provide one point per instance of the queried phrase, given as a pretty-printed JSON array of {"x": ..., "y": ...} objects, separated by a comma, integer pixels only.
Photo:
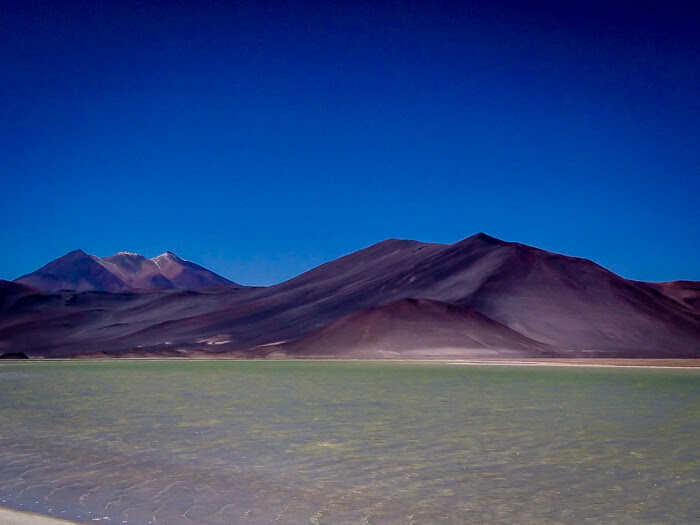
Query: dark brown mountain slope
[
  {"x": 10, "y": 291},
  {"x": 412, "y": 328},
  {"x": 567, "y": 302},
  {"x": 575, "y": 303},
  {"x": 685, "y": 293}
]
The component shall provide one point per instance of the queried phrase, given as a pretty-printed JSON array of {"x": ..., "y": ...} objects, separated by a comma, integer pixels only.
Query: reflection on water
[{"x": 169, "y": 442}]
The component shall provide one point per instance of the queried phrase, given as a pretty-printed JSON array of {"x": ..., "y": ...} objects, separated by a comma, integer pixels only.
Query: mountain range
[
  {"x": 81, "y": 272},
  {"x": 480, "y": 297}
]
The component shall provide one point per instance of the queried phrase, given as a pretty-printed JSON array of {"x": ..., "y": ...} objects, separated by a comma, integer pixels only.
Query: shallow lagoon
[{"x": 214, "y": 442}]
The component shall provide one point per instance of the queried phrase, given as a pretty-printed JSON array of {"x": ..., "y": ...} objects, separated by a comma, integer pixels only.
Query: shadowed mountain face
[
  {"x": 81, "y": 272},
  {"x": 412, "y": 328},
  {"x": 476, "y": 297},
  {"x": 10, "y": 291},
  {"x": 686, "y": 293},
  {"x": 77, "y": 271}
]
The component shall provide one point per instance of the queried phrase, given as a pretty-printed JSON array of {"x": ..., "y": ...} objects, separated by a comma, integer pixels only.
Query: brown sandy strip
[
  {"x": 20, "y": 517},
  {"x": 550, "y": 361},
  {"x": 585, "y": 362}
]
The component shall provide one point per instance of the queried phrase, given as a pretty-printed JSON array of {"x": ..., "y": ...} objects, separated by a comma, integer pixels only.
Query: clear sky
[{"x": 262, "y": 139}]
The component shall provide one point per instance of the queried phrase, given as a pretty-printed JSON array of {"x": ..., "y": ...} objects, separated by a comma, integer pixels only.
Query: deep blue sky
[{"x": 263, "y": 139}]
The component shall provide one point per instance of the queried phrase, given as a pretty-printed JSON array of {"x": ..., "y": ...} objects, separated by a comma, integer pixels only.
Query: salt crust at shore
[{"x": 16, "y": 517}]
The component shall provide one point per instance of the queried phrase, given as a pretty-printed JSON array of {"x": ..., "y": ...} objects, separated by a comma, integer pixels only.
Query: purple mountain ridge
[
  {"x": 478, "y": 297},
  {"x": 81, "y": 272}
]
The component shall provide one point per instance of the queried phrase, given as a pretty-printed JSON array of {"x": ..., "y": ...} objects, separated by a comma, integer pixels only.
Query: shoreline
[
  {"x": 24, "y": 517},
  {"x": 590, "y": 362}
]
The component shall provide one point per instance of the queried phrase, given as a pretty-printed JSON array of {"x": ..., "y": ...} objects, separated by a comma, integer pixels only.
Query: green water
[{"x": 173, "y": 442}]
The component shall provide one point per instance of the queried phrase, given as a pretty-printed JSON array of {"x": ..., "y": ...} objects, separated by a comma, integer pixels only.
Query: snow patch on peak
[
  {"x": 164, "y": 258},
  {"x": 168, "y": 255}
]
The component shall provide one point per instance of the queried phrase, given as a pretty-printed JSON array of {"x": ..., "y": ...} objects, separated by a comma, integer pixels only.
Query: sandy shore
[
  {"x": 16, "y": 517},
  {"x": 585, "y": 362},
  {"x": 549, "y": 361}
]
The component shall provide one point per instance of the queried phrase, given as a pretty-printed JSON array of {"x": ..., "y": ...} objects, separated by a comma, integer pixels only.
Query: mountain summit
[{"x": 80, "y": 271}]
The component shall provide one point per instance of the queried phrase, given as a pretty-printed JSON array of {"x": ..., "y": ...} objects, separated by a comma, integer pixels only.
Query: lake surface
[{"x": 217, "y": 442}]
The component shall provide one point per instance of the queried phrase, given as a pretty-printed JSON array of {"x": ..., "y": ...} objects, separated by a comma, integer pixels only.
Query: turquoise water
[{"x": 171, "y": 442}]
